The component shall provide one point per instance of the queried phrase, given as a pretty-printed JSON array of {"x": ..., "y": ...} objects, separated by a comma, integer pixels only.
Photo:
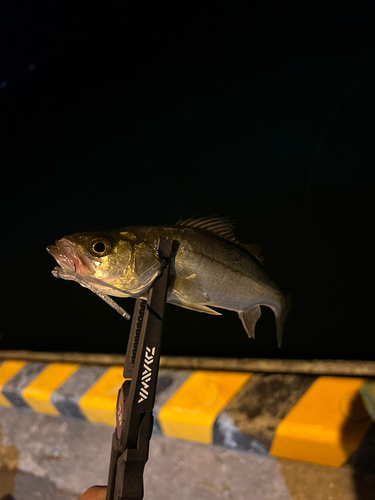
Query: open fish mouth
[{"x": 65, "y": 255}]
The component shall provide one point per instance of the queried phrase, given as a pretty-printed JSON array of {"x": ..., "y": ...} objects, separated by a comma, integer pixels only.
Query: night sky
[{"x": 119, "y": 113}]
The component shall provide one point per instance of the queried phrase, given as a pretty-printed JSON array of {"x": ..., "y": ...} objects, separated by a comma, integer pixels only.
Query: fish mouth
[{"x": 68, "y": 258}]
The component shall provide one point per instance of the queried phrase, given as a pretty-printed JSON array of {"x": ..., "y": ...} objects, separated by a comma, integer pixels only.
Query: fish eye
[{"x": 99, "y": 246}]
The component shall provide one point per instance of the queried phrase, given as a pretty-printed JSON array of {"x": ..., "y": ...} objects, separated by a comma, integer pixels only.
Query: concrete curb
[
  {"x": 320, "y": 420},
  {"x": 334, "y": 367}
]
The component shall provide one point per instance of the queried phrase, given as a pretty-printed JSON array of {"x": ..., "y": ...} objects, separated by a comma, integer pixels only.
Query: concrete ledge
[
  {"x": 314, "y": 419},
  {"x": 358, "y": 368}
]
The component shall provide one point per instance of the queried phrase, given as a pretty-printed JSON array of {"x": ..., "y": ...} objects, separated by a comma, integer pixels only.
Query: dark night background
[{"x": 119, "y": 113}]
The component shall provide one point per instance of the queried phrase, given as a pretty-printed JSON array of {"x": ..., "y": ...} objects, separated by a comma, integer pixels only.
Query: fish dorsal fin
[
  {"x": 221, "y": 226},
  {"x": 255, "y": 250}
]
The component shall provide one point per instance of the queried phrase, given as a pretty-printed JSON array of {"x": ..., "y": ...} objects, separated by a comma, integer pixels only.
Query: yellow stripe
[
  {"x": 38, "y": 393},
  {"x": 99, "y": 402},
  {"x": 192, "y": 411},
  {"x": 326, "y": 425},
  {"x": 7, "y": 371}
]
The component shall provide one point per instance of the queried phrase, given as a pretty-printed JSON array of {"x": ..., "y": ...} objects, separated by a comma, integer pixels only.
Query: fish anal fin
[
  {"x": 249, "y": 319},
  {"x": 187, "y": 290}
]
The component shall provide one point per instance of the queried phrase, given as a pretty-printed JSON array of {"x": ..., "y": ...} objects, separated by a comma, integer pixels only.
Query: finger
[{"x": 95, "y": 493}]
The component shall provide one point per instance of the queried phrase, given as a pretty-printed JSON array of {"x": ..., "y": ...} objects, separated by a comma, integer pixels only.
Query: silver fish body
[
  {"x": 209, "y": 268},
  {"x": 210, "y": 271}
]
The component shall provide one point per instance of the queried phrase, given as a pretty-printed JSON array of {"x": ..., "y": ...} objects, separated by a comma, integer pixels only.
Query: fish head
[{"x": 112, "y": 260}]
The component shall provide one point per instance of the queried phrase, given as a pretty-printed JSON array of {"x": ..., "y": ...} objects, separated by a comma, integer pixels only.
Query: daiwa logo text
[{"x": 147, "y": 373}]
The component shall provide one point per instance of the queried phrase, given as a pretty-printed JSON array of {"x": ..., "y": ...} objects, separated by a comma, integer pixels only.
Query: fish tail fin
[{"x": 280, "y": 315}]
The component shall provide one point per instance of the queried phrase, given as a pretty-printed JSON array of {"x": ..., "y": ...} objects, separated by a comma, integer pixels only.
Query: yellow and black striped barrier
[{"x": 322, "y": 420}]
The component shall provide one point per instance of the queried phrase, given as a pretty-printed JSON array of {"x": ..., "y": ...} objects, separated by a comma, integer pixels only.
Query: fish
[{"x": 209, "y": 268}]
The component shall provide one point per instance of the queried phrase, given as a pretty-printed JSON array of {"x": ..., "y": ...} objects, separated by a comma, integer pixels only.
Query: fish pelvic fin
[
  {"x": 249, "y": 319},
  {"x": 196, "y": 307}
]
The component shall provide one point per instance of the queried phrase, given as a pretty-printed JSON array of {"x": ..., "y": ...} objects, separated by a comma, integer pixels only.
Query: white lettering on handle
[{"x": 146, "y": 374}]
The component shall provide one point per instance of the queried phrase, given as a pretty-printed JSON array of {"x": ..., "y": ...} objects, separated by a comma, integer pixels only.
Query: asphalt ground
[{"x": 44, "y": 457}]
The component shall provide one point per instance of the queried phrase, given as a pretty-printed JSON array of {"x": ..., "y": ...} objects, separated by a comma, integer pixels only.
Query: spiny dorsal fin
[{"x": 221, "y": 226}]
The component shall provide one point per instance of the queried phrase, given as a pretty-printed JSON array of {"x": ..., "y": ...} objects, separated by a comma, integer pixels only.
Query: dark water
[{"x": 115, "y": 114}]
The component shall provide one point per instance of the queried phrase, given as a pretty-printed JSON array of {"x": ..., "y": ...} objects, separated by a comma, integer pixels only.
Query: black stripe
[
  {"x": 66, "y": 398},
  {"x": 12, "y": 390}
]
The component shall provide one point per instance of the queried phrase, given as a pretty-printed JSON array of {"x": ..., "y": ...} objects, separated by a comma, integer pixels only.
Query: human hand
[{"x": 95, "y": 493}]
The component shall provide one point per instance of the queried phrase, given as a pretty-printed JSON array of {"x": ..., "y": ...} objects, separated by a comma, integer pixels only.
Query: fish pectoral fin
[
  {"x": 197, "y": 307},
  {"x": 249, "y": 319},
  {"x": 187, "y": 290}
]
